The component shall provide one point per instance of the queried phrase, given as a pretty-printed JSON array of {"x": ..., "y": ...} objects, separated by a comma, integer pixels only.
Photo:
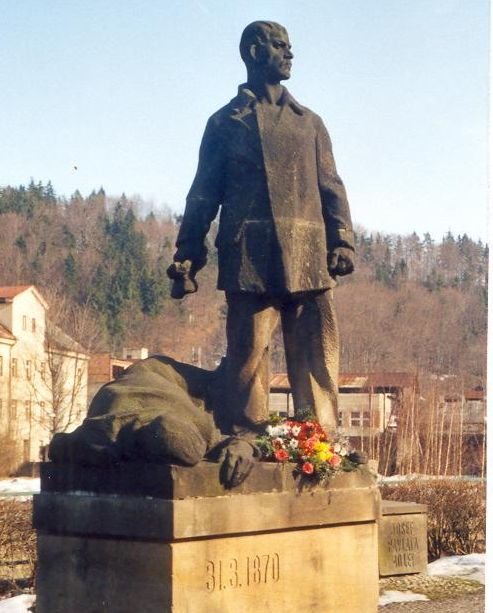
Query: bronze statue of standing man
[{"x": 284, "y": 234}]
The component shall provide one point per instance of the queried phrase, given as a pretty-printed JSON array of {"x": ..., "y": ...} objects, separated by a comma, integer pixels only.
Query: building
[
  {"x": 105, "y": 367},
  {"x": 466, "y": 411},
  {"x": 368, "y": 404},
  {"x": 43, "y": 377}
]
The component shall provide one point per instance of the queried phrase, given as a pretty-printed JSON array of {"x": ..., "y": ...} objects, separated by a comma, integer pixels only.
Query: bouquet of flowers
[{"x": 308, "y": 445}]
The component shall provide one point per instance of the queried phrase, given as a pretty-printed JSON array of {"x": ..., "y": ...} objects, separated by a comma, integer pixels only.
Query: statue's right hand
[{"x": 183, "y": 279}]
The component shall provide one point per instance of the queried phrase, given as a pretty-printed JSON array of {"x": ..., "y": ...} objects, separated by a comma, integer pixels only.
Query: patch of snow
[
  {"x": 470, "y": 566},
  {"x": 392, "y": 479},
  {"x": 19, "y": 486},
  {"x": 390, "y": 596},
  {"x": 17, "y": 604}
]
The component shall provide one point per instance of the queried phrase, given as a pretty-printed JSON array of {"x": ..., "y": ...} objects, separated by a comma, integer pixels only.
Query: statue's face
[{"x": 275, "y": 56}]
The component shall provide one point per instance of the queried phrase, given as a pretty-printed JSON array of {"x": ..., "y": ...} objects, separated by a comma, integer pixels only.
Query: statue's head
[{"x": 266, "y": 50}]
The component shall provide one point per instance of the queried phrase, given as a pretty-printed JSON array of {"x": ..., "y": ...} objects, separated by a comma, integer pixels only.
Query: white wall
[{"x": 25, "y": 384}]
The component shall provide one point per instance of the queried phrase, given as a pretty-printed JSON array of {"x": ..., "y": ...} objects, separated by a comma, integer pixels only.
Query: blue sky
[{"x": 122, "y": 90}]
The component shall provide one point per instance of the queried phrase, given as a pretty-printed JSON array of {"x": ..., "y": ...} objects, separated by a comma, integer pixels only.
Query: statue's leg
[
  {"x": 311, "y": 341},
  {"x": 250, "y": 323}
]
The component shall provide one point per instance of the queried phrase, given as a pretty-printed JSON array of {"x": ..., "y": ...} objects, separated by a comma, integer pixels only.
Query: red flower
[
  {"x": 281, "y": 455},
  {"x": 335, "y": 460},
  {"x": 307, "y": 468},
  {"x": 309, "y": 443}
]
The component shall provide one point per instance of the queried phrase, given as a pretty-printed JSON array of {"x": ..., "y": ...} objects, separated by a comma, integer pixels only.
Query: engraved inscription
[
  {"x": 242, "y": 572},
  {"x": 403, "y": 544}
]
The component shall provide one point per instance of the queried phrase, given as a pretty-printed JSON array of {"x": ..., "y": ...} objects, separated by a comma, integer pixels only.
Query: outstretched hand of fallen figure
[{"x": 236, "y": 460}]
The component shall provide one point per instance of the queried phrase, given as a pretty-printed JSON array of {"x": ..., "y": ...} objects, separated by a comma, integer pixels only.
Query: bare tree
[{"x": 59, "y": 381}]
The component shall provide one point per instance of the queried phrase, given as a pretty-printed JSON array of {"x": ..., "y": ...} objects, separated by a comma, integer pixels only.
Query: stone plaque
[{"x": 402, "y": 544}]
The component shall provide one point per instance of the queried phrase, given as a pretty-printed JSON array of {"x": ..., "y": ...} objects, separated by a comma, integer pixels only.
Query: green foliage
[
  {"x": 391, "y": 260},
  {"x": 125, "y": 278},
  {"x": 20, "y": 243},
  {"x": 24, "y": 201}
]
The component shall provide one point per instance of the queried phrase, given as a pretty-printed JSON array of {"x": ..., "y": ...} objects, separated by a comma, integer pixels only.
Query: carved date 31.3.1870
[{"x": 242, "y": 572}]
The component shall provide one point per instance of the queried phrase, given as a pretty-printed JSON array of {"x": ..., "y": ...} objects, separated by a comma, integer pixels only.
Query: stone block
[
  {"x": 331, "y": 569},
  {"x": 402, "y": 538},
  {"x": 171, "y": 481},
  {"x": 282, "y": 543}
]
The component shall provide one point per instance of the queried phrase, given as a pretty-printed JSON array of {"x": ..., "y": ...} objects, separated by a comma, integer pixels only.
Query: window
[
  {"x": 28, "y": 370},
  {"x": 42, "y": 370},
  {"x": 360, "y": 419},
  {"x": 14, "y": 367},
  {"x": 24, "y": 322},
  {"x": 13, "y": 409},
  {"x": 43, "y": 415},
  {"x": 26, "y": 449},
  {"x": 339, "y": 419},
  {"x": 27, "y": 406},
  {"x": 117, "y": 371},
  {"x": 33, "y": 325}
]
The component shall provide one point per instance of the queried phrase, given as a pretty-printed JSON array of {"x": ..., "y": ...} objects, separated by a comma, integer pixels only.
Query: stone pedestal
[
  {"x": 178, "y": 544},
  {"x": 402, "y": 538}
]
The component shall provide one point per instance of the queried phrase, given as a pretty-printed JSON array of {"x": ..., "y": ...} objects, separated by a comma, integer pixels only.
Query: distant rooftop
[
  {"x": 63, "y": 342},
  {"x": 11, "y": 291},
  {"x": 279, "y": 382},
  {"x": 376, "y": 379},
  {"x": 468, "y": 395},
  {"x": 6, "y": 333}
]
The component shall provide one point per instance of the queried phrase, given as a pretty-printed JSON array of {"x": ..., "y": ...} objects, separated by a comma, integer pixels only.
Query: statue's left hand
[
  {"x": 341, "y": 261},
  {"x": 236, "y": 460}
]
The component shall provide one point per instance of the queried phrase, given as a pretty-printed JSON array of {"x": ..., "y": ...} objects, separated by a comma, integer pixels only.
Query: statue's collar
[{"x": 246, "y": 100}]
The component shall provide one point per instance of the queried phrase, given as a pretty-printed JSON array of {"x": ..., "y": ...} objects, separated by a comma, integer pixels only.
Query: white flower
[
  {"x": 284, "y": 430},
  {"x": 337, "y": 448},
  {"x": 273, "y": 431},
  {"x": 343, "y": 451},
  {"x": 293, "y": 443},
  {"x": 296, "y": 430},
  {"x": 278, "y": 441}
]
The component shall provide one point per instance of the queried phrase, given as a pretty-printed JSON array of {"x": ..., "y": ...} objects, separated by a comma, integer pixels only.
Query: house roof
[
  {"x": 6, "y": 333},
  {"x": 63, "y": 342},
  {"x": 279, "y": 382},
  {"x": 468, "y": 395},
  {"x": 377, "y": 379},
  {"x": 9, "y": 292}
]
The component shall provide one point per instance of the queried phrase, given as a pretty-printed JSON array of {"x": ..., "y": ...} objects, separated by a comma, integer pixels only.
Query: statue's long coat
[{"x": 284, "y": 207}]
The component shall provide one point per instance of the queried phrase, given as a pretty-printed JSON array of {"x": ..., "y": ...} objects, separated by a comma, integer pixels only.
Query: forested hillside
[{"x": 413, "y": 303}]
